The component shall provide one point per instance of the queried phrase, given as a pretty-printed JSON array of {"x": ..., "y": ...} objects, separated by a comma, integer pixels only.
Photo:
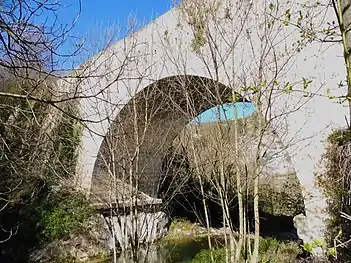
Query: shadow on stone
[{"x": 186, "y": 202}]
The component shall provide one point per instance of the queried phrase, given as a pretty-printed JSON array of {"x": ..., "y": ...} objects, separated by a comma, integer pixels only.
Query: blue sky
[
  {"x": 108, "y": 12},
  {"x": 99, "y": 15},
  {"x": 226, "y": 112}
]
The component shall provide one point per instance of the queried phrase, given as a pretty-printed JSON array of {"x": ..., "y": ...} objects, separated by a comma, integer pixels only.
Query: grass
[
  {"x": 271, "y": 250},
  {"x": 186, "y": 238},
  {"x": 181, "y": 226}
]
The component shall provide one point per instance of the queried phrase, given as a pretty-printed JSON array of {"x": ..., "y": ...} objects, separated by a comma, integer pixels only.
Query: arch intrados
[
  {"x": 174, "y": 90},
  {"x": 170, "y": 99}
]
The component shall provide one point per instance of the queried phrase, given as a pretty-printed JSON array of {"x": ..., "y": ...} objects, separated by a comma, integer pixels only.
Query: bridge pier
[
  {"x": 134, "y": 222},
  {"x": 143, "y": 228}
]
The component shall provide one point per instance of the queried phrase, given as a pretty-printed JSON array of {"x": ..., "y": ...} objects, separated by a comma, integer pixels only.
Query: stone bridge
[{"x": 139, "y": 93}]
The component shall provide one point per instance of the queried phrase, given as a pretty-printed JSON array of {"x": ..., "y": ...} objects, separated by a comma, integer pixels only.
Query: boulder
[
  {"x": 94, "y": 241},
  {"x": 97, "y": 239}
]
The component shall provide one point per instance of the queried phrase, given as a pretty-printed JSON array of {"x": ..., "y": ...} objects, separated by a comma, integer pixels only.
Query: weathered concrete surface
[
  {"x": 145, "y": 227},
  {"x": 165, "y": 49}
]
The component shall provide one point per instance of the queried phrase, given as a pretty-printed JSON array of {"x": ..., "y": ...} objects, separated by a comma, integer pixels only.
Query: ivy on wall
[{"x": 335, "y": 180}]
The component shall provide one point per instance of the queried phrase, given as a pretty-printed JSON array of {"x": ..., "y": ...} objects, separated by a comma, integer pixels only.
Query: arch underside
[
  {"x": 139, "y": 138},
  {"x": 134, "y": 149},
  {"x": 137, "y": 141}
]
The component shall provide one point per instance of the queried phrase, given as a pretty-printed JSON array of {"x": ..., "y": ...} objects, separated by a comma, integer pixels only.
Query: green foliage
[
  {"x": 38, "y": 151},
  {"x": 255, "y": 88},
  {"x": 271, "y": 250},
  {"x": 308, "y": 247},
  {"x": 38, "y": 143},
  {"x": 329, "y": 95},
  {"x": 199, "y": 39},
  {"x": 316, "y": 243},
  {"x": 184, "y": 248},
  {"x": 50, "y": 215},
  {"x": 197, "y": 17},
  {"x": 65, "y": 213},
  {"x": 339, "y": 137},
  {"x": 275, "y": 251},
  {"x": 288, "y": 87},
  {"x": 335, "y": 183},
  {"x": 332, "y": 252},
  {"x": 306, "y": 83},
  {"x": 102, "y": 257},
  {"x": 181, "y": 224},
  {"x": 67, "y": 137},
  {"x": 287, "y": 16},
  {"x": 320, "y": 243},
  {"x": 204, "y": 256},
  {"x": 234, "y": 98}
]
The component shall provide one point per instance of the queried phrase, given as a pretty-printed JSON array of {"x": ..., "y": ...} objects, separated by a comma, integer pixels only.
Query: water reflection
[{"x": 180, "y": 250}]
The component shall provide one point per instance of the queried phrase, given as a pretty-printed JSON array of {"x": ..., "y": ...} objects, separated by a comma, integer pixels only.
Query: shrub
[
  {"x": 271, "y": 250},
  {"x": 66, "y": 213},
  {"x": 335, "y": 180},
  {"x": 204, "y": 256},
  {"x": 182, "y": 224},
  {"x": 275, "y": 251}
]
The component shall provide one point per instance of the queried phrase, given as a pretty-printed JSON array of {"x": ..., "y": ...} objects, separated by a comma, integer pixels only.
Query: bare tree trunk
[
  {"x": 342, "y": 10},
  {"x": 238, "y": 187},
  {"x": 113, "y": 239},
  {"x": 224, "y": 226},
  {"x": 207, "y": 219},
  {"x": 246, "y": 219},
  {"x": 255, "y": 255},
  {"x": 223, "y": 187}
]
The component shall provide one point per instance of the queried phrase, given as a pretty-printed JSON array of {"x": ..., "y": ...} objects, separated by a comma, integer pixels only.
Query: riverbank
[{"x": 187, "y": 242}]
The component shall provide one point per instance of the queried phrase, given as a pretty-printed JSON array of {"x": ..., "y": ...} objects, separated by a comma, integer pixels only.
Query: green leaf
[
  {"x": 234, "y": 98},
  {"x": 320, "y": 243},
  {"x": 288, "y": 87},
  {"x": 329, "y": 94},
  {"x": 341, "y": 84},
  {"x": 299, "y": 20},
  {"x": 308, "y": 247},
  {"x": 287, "y": 15},
  {"x": 306, "y": 83},
  {"x": 332, "y": 252}
]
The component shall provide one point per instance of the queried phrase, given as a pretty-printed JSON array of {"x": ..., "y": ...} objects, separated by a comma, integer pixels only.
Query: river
[{"x": 180, "y": 250}]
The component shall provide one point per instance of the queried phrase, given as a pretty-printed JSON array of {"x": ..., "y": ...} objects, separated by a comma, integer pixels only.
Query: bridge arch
[
  {"x": 146, "y": 126},
  {"x": 164, "y": 48},
  {"x": 139, "y": 138}
]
